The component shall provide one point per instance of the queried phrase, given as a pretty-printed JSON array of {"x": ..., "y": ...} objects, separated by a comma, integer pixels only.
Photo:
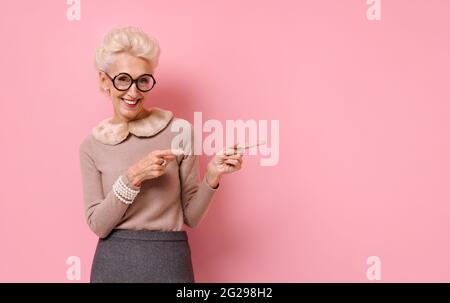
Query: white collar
[{"x": 113, "y": 133}]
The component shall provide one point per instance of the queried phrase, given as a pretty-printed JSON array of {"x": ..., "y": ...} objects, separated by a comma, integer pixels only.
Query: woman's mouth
[{"x": 130, "y": 103}]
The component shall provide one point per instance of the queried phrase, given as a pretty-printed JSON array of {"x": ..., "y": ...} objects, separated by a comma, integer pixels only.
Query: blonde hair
[{"x": 127, "y": 39}]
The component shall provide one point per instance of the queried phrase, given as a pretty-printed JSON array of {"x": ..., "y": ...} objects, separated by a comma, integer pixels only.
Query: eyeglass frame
[{"x": 132, "y": 81}]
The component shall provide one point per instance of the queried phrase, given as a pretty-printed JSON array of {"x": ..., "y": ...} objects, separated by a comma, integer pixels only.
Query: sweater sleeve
[
  {"x": 195, "y": 195},
  {"x": 102, "y": 212}
]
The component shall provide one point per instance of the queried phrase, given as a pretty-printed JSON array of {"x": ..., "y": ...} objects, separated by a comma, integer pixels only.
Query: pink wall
[{"x": 364, "y": 149}]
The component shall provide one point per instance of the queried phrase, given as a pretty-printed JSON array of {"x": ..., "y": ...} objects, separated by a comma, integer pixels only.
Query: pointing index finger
[{"x": 239, "y": 149}]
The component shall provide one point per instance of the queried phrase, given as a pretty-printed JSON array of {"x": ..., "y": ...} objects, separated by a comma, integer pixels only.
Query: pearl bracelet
[{"x": 123, "y": 192}]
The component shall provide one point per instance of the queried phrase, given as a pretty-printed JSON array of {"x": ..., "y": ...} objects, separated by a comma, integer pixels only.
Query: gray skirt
[{"x": 143, "y": 256}]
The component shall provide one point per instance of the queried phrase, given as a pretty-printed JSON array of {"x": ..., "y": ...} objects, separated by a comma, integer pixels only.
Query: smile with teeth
[{"x": 131, "y": 102}]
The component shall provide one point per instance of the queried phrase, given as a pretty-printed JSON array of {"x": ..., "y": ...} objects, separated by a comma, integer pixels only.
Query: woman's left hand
[{"x": 224, "y": 163}]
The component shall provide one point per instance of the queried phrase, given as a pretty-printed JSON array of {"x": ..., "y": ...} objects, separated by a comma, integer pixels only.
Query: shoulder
[
  {"x": 183, "y": 134},
  {"x": 86, "y": 144},
  {"x": 179, "y": 124},
  {"x": 181, "y": 128}
]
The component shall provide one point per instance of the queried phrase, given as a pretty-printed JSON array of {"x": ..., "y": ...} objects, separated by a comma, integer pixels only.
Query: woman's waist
[{"x": 148, "y": 235}]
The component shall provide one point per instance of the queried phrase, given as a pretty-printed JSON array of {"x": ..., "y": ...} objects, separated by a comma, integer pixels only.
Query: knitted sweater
[{"x": 163, "y": 203}]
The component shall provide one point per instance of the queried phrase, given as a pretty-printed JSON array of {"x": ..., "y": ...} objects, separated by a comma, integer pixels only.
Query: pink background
[{"x": 364, "y": 133}]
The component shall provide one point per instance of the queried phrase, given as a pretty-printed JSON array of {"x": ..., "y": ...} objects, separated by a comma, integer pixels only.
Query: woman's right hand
[{"x": 150, "y": 166}]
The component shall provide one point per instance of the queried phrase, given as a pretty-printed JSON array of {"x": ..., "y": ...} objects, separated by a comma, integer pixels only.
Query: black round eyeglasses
[{"x": 124, "y": 81}]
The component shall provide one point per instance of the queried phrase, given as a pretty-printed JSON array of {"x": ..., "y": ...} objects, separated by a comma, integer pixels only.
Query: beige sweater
[{"x": 164, "y": 203}]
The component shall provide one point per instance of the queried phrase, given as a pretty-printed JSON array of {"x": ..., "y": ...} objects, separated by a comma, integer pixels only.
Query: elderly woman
[{"x": 137, "y": 191}]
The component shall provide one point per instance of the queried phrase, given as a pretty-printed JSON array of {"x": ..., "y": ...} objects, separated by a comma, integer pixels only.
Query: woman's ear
[
  {"x": 101, "y": 78},
  {"x": 102, "y": 81},
  {"x": 104, "y": 90}
]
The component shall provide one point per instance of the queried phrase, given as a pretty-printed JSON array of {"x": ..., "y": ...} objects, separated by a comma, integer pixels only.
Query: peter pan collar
[{"x": 113, "y": 133}]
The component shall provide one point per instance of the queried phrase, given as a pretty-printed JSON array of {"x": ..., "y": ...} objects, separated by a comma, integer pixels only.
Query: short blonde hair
[{"x": 127, "y": 39}]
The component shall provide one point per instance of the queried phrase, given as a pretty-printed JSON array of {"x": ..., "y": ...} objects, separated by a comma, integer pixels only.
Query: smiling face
[{"x": 126, "y": 63}]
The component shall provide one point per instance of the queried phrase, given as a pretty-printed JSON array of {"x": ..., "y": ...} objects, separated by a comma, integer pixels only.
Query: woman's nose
[{"x": 133, "y": 89}]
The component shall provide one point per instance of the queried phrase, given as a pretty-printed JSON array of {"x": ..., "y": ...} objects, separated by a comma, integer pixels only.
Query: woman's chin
[{"x": 131, "y": 113}]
